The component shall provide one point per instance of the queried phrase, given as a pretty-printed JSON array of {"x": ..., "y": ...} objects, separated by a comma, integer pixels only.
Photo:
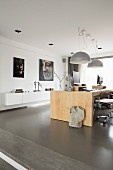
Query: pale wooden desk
[
  {"x": 98, "y": 87},
  {"x": 62, "y": 101}
]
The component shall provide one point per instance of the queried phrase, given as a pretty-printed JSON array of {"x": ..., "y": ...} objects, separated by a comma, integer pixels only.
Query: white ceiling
[{"x": 57, "y": 21}]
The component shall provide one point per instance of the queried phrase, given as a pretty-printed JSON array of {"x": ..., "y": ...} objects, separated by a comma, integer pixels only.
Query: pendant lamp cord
[
  {"x": 94, "y": 46},
  {"x": 82, "y": 33},
  {"x": 84, "y": 42}
]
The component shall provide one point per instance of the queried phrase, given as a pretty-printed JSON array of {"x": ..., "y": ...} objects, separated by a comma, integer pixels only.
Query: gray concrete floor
[
  {"x": 93, "y": 146},
  {"x": 5, "y": 166}
]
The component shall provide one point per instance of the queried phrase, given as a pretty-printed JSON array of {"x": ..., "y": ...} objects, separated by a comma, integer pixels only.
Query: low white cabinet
[
  {"x": 12, "y": 98},
  {"x": 30, "y": 97},
  {"x": 24, "y": 98},
  {"x": 36, "y": 96}
]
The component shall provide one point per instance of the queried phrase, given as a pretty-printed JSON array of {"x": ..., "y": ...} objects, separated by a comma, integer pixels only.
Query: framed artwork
[
  {"x": 46, "y": 69},
  {"x": 18, "y": 67}
]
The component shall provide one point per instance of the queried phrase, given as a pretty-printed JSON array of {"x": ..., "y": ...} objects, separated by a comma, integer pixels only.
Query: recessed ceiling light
[
  {"x": 72, "y": 52},
  {"x": 18, "y": 31},
  {"x": 51, "y": 44},
  {"x": 99, "y": 48}
]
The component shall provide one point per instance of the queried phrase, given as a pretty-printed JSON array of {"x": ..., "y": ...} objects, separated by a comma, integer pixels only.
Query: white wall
[
  {"x": 89, "y": 75},
  {"x": 10, "y": 49}
]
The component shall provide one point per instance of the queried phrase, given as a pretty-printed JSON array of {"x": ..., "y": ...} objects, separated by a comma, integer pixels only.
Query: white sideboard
[
  {"x": 36, "y": 96},
  {"x": 9, "y": 99}
]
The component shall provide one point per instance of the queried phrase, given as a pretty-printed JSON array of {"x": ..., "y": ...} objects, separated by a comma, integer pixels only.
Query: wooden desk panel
[{"x": 62, "y": 101}]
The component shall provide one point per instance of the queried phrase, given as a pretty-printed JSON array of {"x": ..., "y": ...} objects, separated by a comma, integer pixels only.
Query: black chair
[{"x": 103, "y": 101}]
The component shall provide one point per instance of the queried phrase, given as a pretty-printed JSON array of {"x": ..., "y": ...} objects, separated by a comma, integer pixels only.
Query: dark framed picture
[
  {"x": 18, "y": 67},
  {"x": 46, "y": 69}
]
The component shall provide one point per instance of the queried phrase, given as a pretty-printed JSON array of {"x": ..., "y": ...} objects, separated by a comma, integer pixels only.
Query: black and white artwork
[
  {"x": 18, "y": 67},
  {"x": 46, "y": 69}
]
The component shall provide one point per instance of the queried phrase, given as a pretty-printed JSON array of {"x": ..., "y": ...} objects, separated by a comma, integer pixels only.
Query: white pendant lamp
[
  {"x": 95, "y": 63},
  {"x": 81, "y": 57}
]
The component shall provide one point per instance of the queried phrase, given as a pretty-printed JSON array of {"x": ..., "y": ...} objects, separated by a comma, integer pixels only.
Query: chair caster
[
  {"x": 103, "y": 120},
  {"x": 104, "y": 123}
]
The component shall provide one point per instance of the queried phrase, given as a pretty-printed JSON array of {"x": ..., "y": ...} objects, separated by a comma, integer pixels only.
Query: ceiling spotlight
[
  {"x": 18, "y": 31},
  {"x": 88, "y": 35},
  {"x": 72, "y": 53},
  {"x": 99, "y": 48},
  {"x": 51, "y": 44},
  {"x": 82, "y": 32}
]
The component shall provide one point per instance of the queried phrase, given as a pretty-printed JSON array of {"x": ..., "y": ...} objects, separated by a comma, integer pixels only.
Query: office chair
[{"x": 104, "y": 101}]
